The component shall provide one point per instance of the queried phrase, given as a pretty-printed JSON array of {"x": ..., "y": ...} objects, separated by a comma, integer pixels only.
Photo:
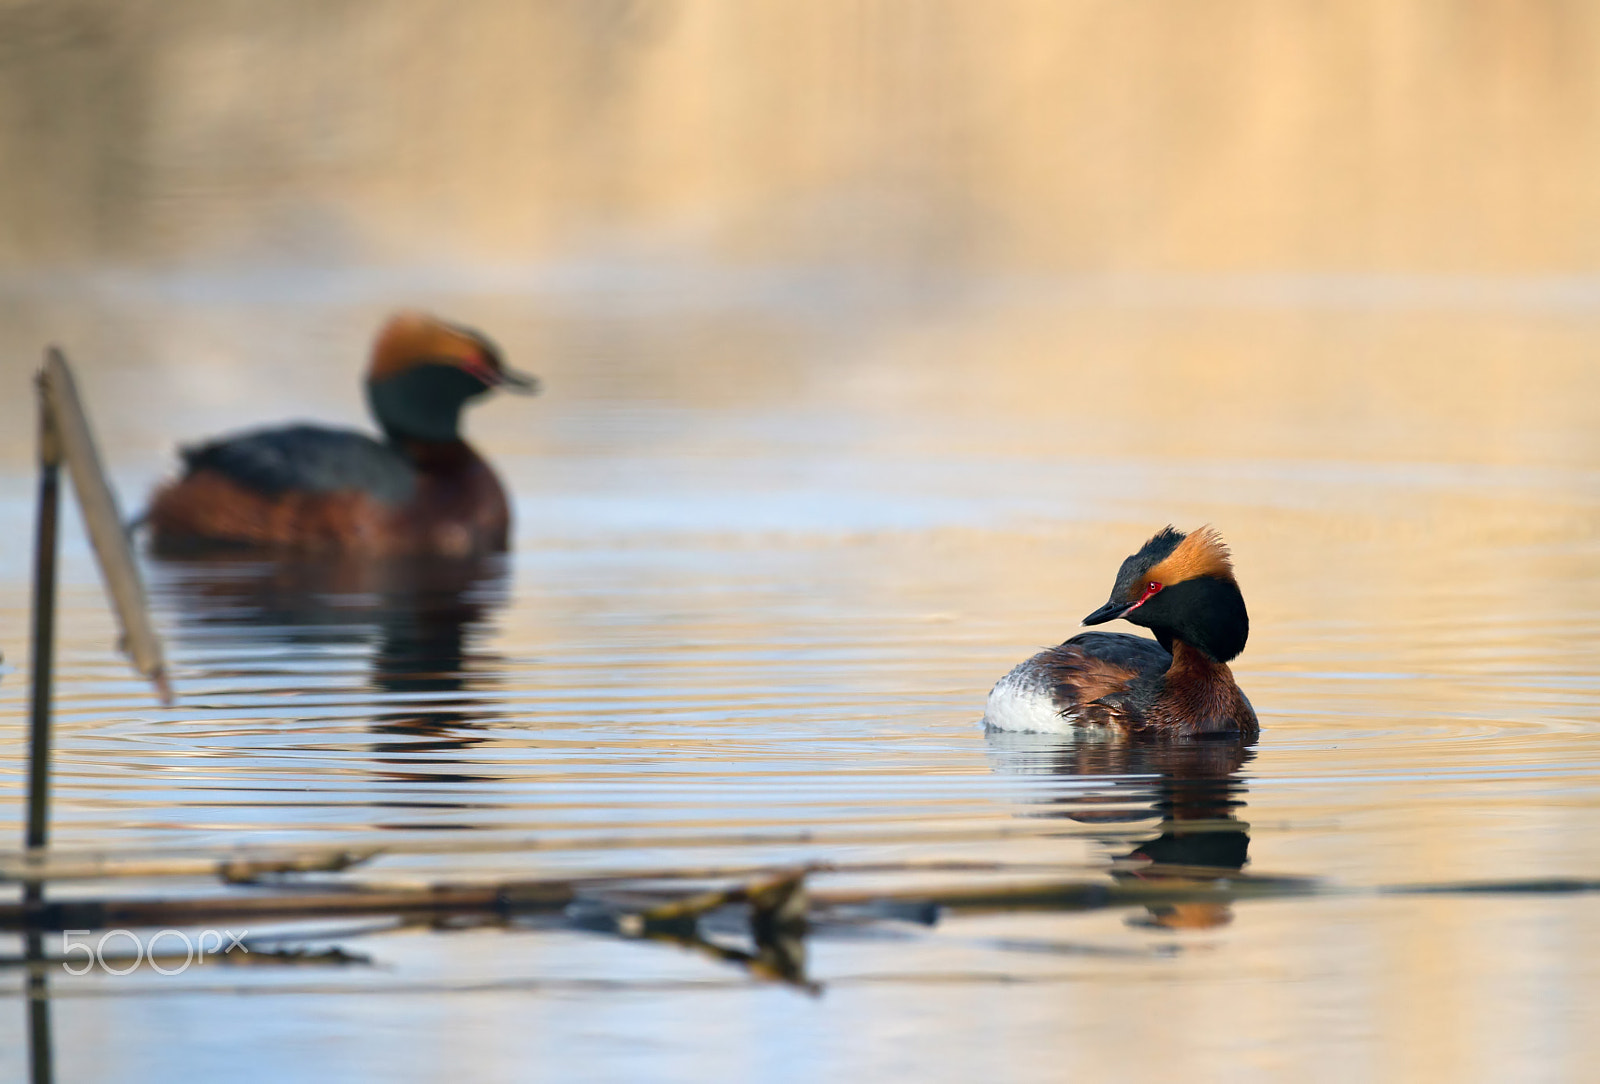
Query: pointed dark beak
[
  {"x": 1109, "y": 612},
  {"x": 518, "y": 383}
]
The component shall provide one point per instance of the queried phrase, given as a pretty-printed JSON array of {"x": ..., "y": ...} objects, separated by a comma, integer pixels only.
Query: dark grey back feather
[
  {"x": 308, "y": 457},
  {"x": 1137, "y": 653}
]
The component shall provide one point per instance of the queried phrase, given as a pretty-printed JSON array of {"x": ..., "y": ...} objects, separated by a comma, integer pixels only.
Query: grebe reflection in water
[
  {"x": 420, "y": 619},
  {"x": 1189, "y": 788}
]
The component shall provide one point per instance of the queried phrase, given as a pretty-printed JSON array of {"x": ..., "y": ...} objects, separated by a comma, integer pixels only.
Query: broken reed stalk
[
  {"x": 103, "y": 521},
  {"x": 64, "y": 436},
  {"x": 252, "y": 868},
  {"x": 779, "y": 899},
  {"x": 92, "y": 865},
  {"x": 777, "y": 902},
  {"x": 780, "y": 894}
]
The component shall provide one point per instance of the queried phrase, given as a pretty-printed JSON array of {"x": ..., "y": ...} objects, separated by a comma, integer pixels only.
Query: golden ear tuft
[
  {"x": 1201, "y": 553},
  {"x": 408, "y": 338}
]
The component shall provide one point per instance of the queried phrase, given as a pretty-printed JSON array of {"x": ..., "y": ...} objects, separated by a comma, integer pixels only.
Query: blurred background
[
  {"x": 1081, "y": 189},
  {"x": 1410, "y": 137},
  {"x": 875, "y": 333}
]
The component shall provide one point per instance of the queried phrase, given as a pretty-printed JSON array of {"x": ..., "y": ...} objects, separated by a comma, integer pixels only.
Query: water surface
[{"x": 777, "y": 535}]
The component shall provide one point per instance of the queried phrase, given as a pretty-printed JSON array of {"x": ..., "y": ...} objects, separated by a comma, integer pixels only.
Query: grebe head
[
  {"x": 424, "y": 371},
  {"x": 1181, "y": 586}
]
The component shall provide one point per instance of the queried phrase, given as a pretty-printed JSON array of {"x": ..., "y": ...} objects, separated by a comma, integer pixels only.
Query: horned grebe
[
  {"x": 420, "y": 491},
  {"x": 1181, "y": 587}
]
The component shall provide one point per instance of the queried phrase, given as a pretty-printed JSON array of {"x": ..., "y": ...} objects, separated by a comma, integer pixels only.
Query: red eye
[{"x": 1153, "y": 588}]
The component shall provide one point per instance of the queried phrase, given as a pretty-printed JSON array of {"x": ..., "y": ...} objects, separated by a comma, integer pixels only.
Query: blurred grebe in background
[{"x": 420, "y": 491}]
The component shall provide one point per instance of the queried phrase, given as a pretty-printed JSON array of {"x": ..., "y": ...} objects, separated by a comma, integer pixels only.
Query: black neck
[
  {"x": 423, "y": 403},
  {"x": 1206, "y": 613}
]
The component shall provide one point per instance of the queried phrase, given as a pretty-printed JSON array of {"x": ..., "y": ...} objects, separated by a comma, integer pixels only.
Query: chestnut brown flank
[
  {"x": 459, "y": 509},
  {"x": 1082, "y": 679},
  {"x": 209, "y": 505},
  {"x": 1088, "y": 677}
]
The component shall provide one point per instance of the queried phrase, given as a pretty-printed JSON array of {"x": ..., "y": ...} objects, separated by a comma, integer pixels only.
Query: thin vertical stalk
[
  {"x": 41, "y": 1049},
  {"x": 44, "y": 628}
]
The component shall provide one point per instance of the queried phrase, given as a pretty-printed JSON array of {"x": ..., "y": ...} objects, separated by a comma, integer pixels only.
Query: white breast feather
[{"x": 1025, "y": 700}]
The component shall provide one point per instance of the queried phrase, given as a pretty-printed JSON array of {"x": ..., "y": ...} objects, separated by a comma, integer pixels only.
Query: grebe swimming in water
[
  {"x": 421, "y": 491},
  {"x": 1181, "y": 587}
]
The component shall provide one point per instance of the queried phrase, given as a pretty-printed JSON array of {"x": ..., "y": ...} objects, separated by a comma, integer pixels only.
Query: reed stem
[{"x": 44, "y": 627}]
